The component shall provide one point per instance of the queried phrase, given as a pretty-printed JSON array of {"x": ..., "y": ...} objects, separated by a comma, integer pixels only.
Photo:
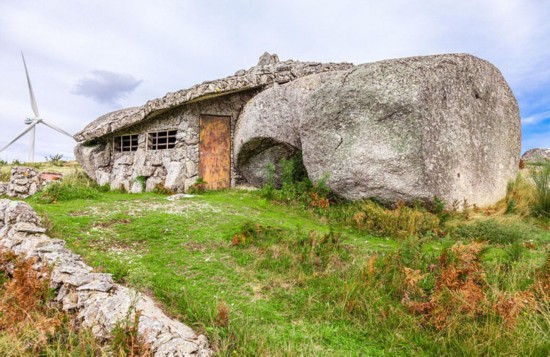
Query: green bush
[
  {"x": 541, "y": 178},
  {"x": 73, "y": 186},
  {"x": 493, "y": 231},
  {"x": 401, "y": 222}
]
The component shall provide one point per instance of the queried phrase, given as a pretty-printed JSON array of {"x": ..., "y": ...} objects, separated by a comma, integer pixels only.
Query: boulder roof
[{"x": 268, "y": 71}]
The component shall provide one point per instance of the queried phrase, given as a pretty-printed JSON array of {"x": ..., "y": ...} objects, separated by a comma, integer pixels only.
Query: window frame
[
  {"x": 152, "y": 140},
  {"x": 120, "y": 146}
]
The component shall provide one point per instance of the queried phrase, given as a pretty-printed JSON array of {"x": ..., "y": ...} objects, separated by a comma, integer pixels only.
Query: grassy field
[{"x": 261, "y": 273}]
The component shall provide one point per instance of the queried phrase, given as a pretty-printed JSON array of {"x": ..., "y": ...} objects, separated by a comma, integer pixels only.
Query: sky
[{"x": 88, "y": 58}]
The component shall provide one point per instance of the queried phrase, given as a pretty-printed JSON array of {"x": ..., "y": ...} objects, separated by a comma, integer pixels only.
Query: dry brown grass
[{"x": 461, "y": 291}]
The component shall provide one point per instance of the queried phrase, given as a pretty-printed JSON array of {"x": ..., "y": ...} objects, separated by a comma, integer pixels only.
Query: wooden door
[{"x": 215, "y": 151}]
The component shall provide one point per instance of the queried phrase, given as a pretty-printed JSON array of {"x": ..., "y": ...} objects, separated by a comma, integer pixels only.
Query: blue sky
[{"x": 87, "y": 58}]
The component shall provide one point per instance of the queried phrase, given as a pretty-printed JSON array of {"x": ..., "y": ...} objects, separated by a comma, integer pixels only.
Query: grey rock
[
  {"x": 28, "y": 228},
  {"x": 137, "y": 187},
  {"x": 175, "y": 176},
  {"x": 179, "y": 196},
  {"x": 96, "y": 286},
  {"x": 151, "y": 183},
  {"x": 268, "y": 129},
  {"x": 102, "y": 177},
  {"x": 268, "y": 59},
  {"x": 21, "y": 181},
  {"x": 414, "y": 128},
  {"x": 536, "y": 155},
  {"x": 92, "y": 157},
  {"x": 406, "y": 129}
]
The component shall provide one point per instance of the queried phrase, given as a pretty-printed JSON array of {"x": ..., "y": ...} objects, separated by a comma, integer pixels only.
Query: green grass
[{"x": 287, "y": 291}]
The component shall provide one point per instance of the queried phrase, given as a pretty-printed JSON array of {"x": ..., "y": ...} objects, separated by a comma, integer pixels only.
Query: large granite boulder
[
  {"x": 406, "y": 129},
  {"x": 268, "y": 129},
  {"x": 536, "y": 155}
]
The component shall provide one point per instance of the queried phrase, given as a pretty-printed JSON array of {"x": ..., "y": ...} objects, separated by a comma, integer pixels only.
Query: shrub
[
  {"x": 401, "y": 222},
  {"x": 493, "y": 231},
  {"x": 56, "y": 160},
  {"x": 541, "y": 178},
  {"x": 5, "y": 176},
  {"x": 74, "y": 186},
  {"x": 200, "y": 186},
  {"x": 519, "y": 196}
]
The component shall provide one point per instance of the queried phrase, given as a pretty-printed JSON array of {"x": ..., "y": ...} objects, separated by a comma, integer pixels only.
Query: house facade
[{"x": 172, "y": 141}]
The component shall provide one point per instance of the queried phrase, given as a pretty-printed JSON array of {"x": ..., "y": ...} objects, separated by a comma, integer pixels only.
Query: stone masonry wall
[
  {"x": 175, "y": 169},
  {"x": 98, "y": 303},
  {"x": 24, "y": 182}
]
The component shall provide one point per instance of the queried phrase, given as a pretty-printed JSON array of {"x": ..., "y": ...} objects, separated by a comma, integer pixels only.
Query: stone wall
[
  {"x": 98, "y": 303},
  {"x": 175, "y": 169},
  {"x": 24, "y": 182}
]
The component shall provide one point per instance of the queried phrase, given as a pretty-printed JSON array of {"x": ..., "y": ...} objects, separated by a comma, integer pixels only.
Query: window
[
  {"x": 161, "y": 140},
  {"x": 125, "y": 143}
]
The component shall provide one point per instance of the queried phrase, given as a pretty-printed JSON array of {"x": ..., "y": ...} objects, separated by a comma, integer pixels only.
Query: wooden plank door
[{"x": 215, "y": 151}]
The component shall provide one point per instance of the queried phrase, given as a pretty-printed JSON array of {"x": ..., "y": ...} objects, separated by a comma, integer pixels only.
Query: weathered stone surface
[
  {"x": 99, "y": 303},
  {"x": 415, "y": 128},
  {"x": 405, "y": 129},
  {"x": 92, "y": 157},
  {"x": 268, "y": 129},
  {"x": 28, "y": 228},
  {"x": 3, "y": 188},
  {"x": 536, "y": 155}
]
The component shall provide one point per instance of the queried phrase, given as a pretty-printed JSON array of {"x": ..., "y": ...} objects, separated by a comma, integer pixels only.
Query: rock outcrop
[
  {"x": 536, "y": 155},
  {"x": 405, "y": 129},
  {"x": 98, "y": 302}
]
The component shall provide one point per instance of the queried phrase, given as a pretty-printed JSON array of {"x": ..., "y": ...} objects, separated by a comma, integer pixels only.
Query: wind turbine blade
[
  {"x": 56, "y": 128},
  {"x": 19, "y": 136},
  {"x": 31, "y": 93}
]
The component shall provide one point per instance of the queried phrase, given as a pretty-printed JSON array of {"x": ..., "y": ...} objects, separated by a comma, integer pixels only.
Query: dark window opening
[
  {"x": 161, "y": 140},
  {"x": 126, "y": 143}
]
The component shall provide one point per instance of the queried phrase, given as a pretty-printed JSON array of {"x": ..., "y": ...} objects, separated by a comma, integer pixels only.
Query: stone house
[
  {"x": 405, "y": 129},
  {"x": 174, "y": 140}
]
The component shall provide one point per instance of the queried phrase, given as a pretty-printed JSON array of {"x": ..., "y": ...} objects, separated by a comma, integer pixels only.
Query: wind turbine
[{"x": 33, "y": 122}]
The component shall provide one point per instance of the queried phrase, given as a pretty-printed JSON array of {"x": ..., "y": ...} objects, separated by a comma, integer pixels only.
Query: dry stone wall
[
  {"x": 98, "y": 302},
  {"x": 24, "y": 182}
]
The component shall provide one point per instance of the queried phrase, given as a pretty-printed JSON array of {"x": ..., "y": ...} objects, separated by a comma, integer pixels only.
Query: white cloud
[
  {"x": 106, "y": 86},
  {"x": 536, "y": 118}
]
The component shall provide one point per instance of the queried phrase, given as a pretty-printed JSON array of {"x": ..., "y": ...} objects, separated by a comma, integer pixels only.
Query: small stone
[
  {"x": 179, "y": 196},
  {"x": 28, "y": 228},
  {"x": 96, "y": 286}
]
